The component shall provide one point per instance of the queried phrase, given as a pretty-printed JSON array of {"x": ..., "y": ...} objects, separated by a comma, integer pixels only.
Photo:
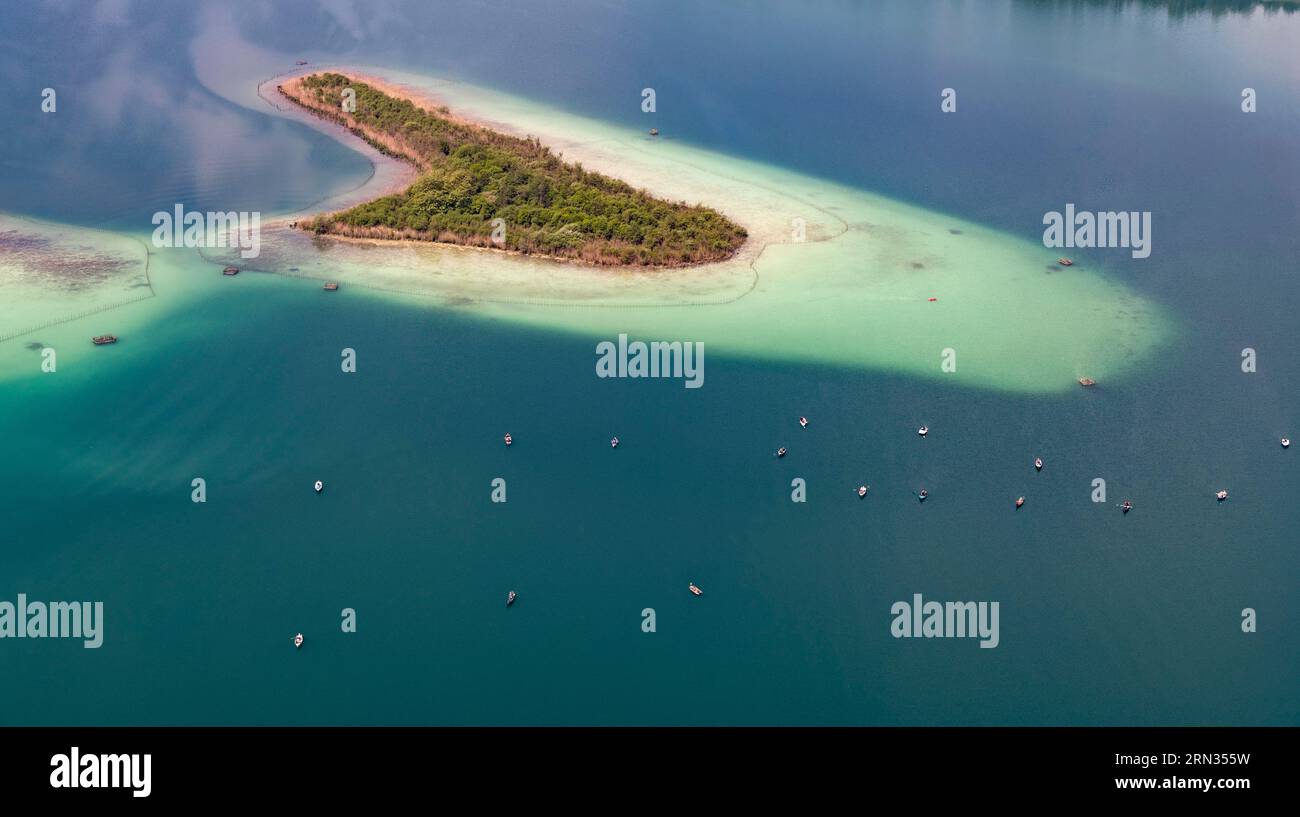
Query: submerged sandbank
[
  {"x": 55, "y": 273},
  {"x": 831, "y": 274}
]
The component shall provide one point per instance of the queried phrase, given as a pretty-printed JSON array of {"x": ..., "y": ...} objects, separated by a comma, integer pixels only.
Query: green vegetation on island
[{"x": 472, "y": 176}]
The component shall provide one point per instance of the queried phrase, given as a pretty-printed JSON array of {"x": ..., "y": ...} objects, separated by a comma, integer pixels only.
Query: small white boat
[
  {"x": 510, "y": 597},
  {"x": 613, "y": 443},
  {"x": 1126, "y": 506},
  {"x": 862, "y": 490},
  {"x": 697, "y": 591},
  {"x": 319, "y": 486},
  {"x": 297, "y": 641},
  {"x": 923, "y": 430},
  {"x": 1038, "y": 463},
  {"x": 1020, "y": 501},
  {"x": 1220, "y": 495},
  {"x": 1286, "y": 442},
  {"x": 922, "y": 494},
  {"x": 509, "y": 439},
  {"x": 803, "y": 422},
  {"x": 780, "y": 452}
]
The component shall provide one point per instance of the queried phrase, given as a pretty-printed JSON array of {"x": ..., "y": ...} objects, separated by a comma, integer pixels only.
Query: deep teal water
[{"x": 1104, "y": 618}]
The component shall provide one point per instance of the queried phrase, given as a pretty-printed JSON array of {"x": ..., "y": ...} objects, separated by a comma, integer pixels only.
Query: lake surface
[{"x": 1105, "y": 618}]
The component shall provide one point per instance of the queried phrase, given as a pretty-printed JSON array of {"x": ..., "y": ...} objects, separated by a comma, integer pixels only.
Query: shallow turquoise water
[{"x": 1105, "y": 618}]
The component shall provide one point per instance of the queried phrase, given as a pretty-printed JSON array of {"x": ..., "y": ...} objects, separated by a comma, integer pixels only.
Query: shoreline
[
  {"x": 760, "y": 234},
  {"x": 396, "y": 243},
  {"x": 388, "y": 175},
  {"x": 394, "y": 148}
]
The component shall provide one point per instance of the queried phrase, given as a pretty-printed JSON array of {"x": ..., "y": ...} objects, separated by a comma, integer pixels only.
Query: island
[{"x": 481, "y": 188}]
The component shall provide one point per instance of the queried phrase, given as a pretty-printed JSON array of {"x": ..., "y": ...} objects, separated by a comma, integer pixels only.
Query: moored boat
[
  {"x": 508, "y": 438},
  {"x": 1038, "y": 463},
  {"x": 103, "y": 340},
  {"x": 654, "y": 131},
  {"x": 319, "y": 486},
  {"x": 922, "y": 494},
  {"x": 1020, "y": 500},
  {"x": 697, "y": 591},
  {"x": 613, "y": 443},
  {"x": 510, "y": 597},
  {"x": 297, "y": 641},
  {"x": 1126, "y": 506},
  {"x": 330, "y": 286},
  {"x": 1286, "y": 442},
  {"x": 780, "y": 452},
  {"x": 1087, "y": 381},
  {"x": 803, "y": 422},
  {"x": 923, "y": 430},
  {"x": 230, "y": 271},
  {"x": 1065, "y": 262},
  {"x": 862, "y": 491},
  {"x": 1220, "y": 494}
]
